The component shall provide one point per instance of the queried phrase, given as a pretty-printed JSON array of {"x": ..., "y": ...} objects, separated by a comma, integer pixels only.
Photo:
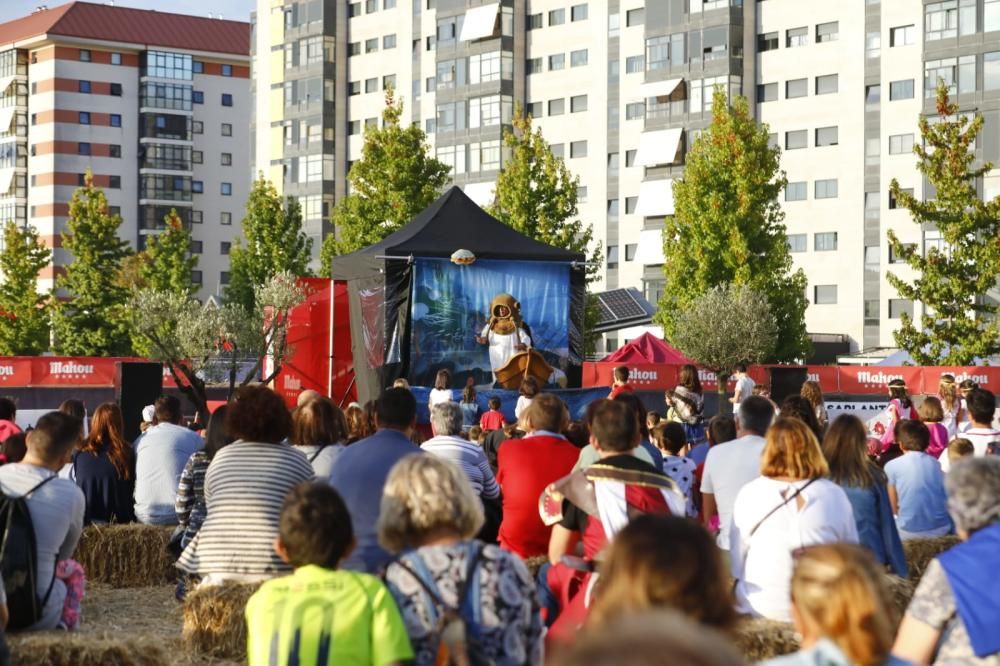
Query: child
[
  {"x": 900, "y": 408},
  {"x": 469, "y": 405},
  {"x": 476, "y": 435},
  {"x": 652, "y": 419},
  {"x": 951, "y": 403},
  {"x": 440, "y": 393},
  {"x": 980, "y": 405},
  {"x": 620, "y": 383},
  {"x": 8, "y": 412},
  {"x": 932, "y": 413},
  {"x": 319, "y": 609},
  {"x": 960, "y": 448},
  {"x": 493, "y": 419},
  {"x": 916, "y": 485},
  {"x": 529, "y": 389},
  {"x": 670, "y": 440},
  {"x": 964, "y": 420}
]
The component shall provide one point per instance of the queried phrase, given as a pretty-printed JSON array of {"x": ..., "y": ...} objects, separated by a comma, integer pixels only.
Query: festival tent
[
  {"x": 413, "y": 311},
  {"x": 647, "y": 348}
]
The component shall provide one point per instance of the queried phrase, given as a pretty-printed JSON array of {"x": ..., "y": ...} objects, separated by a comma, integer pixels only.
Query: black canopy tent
[{"x": 379, "y": 282}]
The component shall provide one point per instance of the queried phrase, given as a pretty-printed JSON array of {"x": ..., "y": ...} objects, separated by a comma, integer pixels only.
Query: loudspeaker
[
  {"x": 136, "y": 385},
  {"x": 786, "y": 382}
]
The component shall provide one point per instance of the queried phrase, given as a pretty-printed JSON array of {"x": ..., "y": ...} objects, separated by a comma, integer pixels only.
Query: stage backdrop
[{"x": 450, "y": 305}]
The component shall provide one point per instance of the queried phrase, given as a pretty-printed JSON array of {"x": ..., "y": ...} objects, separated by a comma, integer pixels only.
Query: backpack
[
  {"x": 19, "y": 560},
  {"x": 456, "y": 629}
]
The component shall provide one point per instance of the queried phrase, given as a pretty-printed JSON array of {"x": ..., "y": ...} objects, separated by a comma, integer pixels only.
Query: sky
[{"x": 237, "y": 10}]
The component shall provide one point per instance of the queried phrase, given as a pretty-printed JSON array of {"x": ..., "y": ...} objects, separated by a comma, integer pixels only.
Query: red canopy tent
[
  {"x": 652, "y": 364},
  {"x": 647, "y": 348}
]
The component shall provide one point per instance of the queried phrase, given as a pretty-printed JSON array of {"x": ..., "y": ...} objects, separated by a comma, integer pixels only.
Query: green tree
[
  {"x": 92, "y": 320},
  {"x": 168, "y": 258},
  {"x": 395, "y": 179},
  {"x": 726, "y": 325},
  {"x": 273, "y": 242},
  {"x": 537, "y": 195},
  {"x": 727, "y": 227},
  {"x": 958, "y": 323},
  {"x": 24, "y": 316}
]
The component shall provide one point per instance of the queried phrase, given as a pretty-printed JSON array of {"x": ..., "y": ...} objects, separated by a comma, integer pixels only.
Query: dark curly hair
[{"x": 258, "y": 414}]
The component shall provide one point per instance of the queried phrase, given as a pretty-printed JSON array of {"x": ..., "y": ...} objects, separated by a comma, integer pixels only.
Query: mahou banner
[{"x": 28, "y": 371}]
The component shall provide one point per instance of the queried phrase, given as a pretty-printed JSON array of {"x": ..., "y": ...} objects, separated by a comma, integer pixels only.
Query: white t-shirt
[
  {"x": 744, "y": 389},
  {"x": 522, "y": 404},
  {"x": 980, "y": 438},
  {"x": 729, "y": 467},
  {"x": 762, "y": 564},
  {"x": 438, "y": 396}
]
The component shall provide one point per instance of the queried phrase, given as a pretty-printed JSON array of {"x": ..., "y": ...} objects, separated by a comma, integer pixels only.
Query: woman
[
  {"x": 812, "y": 392},
  {"x": 318, "y": 431},
  {"x": 244, "y": 488},
  {"x": 190, "y": 502},
  {"x": 660, "y": 561},
  {"x": 842, "y": 609},
  {"x": 357, "y": 424},
  {"x": 789, "y": 506},
  {"x": 429, "y": 514},
  {"x": 796, "y": 406},
  {"x": 686, "y": 405},
  {"x": 845, "y": 448},
  {"x": 104, "y": 469},
  {"x": 955, "y": 610}
]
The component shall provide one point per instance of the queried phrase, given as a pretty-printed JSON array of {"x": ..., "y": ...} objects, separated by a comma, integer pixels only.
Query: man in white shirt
[
  {"x": 446, "y": 424},
  {"x": 744, "y": 386},
  {"x": 730, "y": 466},
  {"x": 981, "y": 406},
  {"x": 160, "y": 455}
]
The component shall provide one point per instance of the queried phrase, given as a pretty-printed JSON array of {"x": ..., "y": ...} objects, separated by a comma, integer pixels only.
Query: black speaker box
[
  {"x": 136, "y": 385},
  {"x": 786, "y": 382}
]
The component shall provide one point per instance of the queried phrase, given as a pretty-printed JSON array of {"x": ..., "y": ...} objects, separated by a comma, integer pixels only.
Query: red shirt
[
  {"x": 491, "y": 420},
  {"x": 524, "y": 468},
  {"x": 616, "y": 390}
]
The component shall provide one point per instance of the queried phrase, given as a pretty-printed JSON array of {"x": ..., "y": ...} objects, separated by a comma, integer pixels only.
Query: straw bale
[
  {"x": 214, "y": 621},
  {"x": 920, "y": 552},
  {"x": 758, "y": 638},
  {"x": 127, "y": 555},
  {"x": 900, "y": 591},
  {"x": 59, "y": 648}
]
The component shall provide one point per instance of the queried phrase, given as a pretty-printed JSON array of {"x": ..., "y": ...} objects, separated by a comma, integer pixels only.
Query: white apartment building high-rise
[{"x": 620, "y": 89}]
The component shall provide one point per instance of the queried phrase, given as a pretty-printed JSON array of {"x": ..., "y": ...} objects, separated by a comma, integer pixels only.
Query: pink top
[{"x": 939, "y": 439}]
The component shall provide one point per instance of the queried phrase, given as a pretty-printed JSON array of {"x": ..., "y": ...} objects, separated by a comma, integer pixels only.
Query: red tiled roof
[{"x": 135, "y": 26}]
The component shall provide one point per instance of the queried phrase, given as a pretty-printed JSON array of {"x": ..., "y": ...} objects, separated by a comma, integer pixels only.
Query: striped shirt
[
  {"x": 469, "y": 458},
  {"x": 244, "y": 488},
  {"x": 190, "y": 503}
]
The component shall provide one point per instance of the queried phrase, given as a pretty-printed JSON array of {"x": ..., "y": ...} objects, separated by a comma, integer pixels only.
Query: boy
[
  {"x": 916, "y": 485},
  {"x": 959, "y": 448},
  {"x": 319, "y": 614},
  {"x": 981, "y": 406},
  {"x": 493, "y": 419},
  {"x": 671, "y": 440},
  {"x": 620, "y": 383}
]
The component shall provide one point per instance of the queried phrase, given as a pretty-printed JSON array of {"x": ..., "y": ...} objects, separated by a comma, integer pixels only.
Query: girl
[
  {"x": 963, "y": 422},
  {"x": 814, "y": 394},
  {"x": 951, "y": 404},
  {"x": 932, "y": 413},
  {"x": 670, "y": 440},
  {"x": 469, "y": 405},
  {"x": 900, "y": 408},
  {"x": 686, "y": 404},
  {"x": 529, "y": 389},
  {"x": 440, "y": 393}
]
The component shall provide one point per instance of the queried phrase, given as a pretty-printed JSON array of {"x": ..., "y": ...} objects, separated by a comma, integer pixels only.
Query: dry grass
[
  {"x": 131, "y": 555},
  {"x": 758, "y": 638},
  {"x": 214, "y": 621},
  {"x": 62, "y": 649},
  {"x": 920, "y": 552}
]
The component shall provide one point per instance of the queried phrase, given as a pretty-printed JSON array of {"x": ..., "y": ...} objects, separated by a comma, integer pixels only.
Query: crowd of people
[{"x": 652, "y": 529}]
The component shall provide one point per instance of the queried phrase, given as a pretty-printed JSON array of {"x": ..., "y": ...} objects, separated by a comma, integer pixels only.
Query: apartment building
[
  {"x": 156, "y": 105},
  {"x": 621, "y": 89}
]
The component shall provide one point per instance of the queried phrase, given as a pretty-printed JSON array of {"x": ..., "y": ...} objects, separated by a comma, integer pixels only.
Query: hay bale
[
  {"x": 920, "y": 552},
  {"x": 901, "y": 591},
  {"x": 535, "y": 563},
  {"x": 214, "y": 621},
  {"x": 58, "y": 648},
  {"x": 758, "y": 638},
  {"x": 129, "y": 555}
]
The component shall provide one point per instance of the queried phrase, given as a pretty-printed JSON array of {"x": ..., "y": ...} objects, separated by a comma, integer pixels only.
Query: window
[
  {"x": 224, "y": 247},
  {"x": 165, "y": 65},
  {"x": 796, "y": 37},
  {"x": 227, "y": 159},
  {"x": 557, "y": 150},
  {"x": 991, "y": 15},
  {"x": 949, "y": 19},
  {"x": 873, "y": 95},
  {"x": 903, "y": 35},
  {"x": 115, "y": 120},
  {"x": 114, "y": 150},
  {"x": 198, "y": 67},
  {"x": 767, "y": 41},
  {"x": 84, "y": 117},
  {"x": 825, "y": 189},
  {"x": 388, "y": 4},
  {"x": 772, "y": 140},
  {"x": 197, "y": 186},
  {"x": 354, "y": 48},
  {"x": 389, "y": 41},
  {"x": 796, "y": 88},
  {"x": 825, "y": 241},
  {"x": 84, "y": 55},
  {"x": 197, "y": 127},
  {"x": 612, "y": 258},
  {"x": 900, "y": 144},
  {"x": 900, "y": 306},
  {"x": 371, "y": 85},
  {"x": 389, "y": 81},
  {"x": 578, "y": 13},
  {"x": 991, "y": 70},
  {"x": 897, "y": 259},
  {"x": 557, "y": 17},
  {"x": 557, "y": 107},
  {"x": 83, "y": 148},
  {"x": 225, "y": 219},
  {"x": 227, "y": 99},
  {"x": 635, "y": 17},
  {"x": 227, "y": 70},
  {"x": 226, "y": 189},
  {"x": 901, "y": 90},
  {"x": 197, "y": 157},
  {"x": 826, "y": 136},
  {"x": 81, "y": 179},
  {"x": 227, "y": 129},
  {"x": 827, "y": 32},
  {"x": 371, "y": 45},
  {"x": 798, "y": 242},
  {"x": 635, "y": 111},
  {"x": 767, "y": 92},
  {"x": 577, "y": 103},
  {"x": 893, "y": 203},
  {"x": 578, "y": 149},
  {"x": 534, "y": 21},
  {"x": 796, "y": 191},
  {"x": 871, "y": 312},
  {"x": 83, "y": 86},
  {"x": 535, "y": 109},
  {"x": 630, "y": 204},
  {"x": 198, "y": 96},
  {"x": 578, "y": 58},
  {"x": 354, "y": 88},
  {"x": 371, "y": 122},
  {"x": 613, "y": 208},
  {"x": 116, "y": 58},
  {"x": 557, "y": 61},
  {"x": 371, "y": 6},
  {"x": 873, "y": 45},
  {"x": 796, "y": 139},
  {"x": 630, "y": 158},
  {"x": 825, "y": 294},
  {"x": 958, "y": 74},
  {"x": 535, "y": 65},
  {"x": 115, "y": 89},
  {"x": 826, "y": 84},
  {"x": 668, "y": 51}
]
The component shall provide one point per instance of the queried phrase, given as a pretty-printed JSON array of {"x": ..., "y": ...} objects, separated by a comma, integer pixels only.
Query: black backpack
[{"x": 19, "y": 560}]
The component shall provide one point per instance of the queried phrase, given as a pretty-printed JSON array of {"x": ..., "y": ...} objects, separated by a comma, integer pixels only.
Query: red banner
[{"x": 642, "y": 377}]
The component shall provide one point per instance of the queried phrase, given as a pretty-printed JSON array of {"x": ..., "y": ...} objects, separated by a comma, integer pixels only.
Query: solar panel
[{"x": 622, "y": 304}]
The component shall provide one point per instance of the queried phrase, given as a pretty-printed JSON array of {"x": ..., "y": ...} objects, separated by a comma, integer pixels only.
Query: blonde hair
[
  {"x": 812, "y": 392},
  {"x": 841, "y": 595},
  {"x": 792, "y": 450},
  {"x": 930, "y": 410},
  {"x": 423, "y": 493},
  {"x": 948, "y": 391}
]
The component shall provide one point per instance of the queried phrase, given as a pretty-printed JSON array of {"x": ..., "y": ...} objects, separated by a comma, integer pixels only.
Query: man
[
  {"x": 744, "y": 386},
  {"x": 730, "y": 466},
  {"x": 361, "y": 469},
  {"x": 981, "y": 407},
  {"x": 504, "y": 332},
  {"x": 56, "y": 507},
  {"x": 620, "y": 383},
  {"x": 160, "y": 455},
  {"x": 446, "y": 426}
]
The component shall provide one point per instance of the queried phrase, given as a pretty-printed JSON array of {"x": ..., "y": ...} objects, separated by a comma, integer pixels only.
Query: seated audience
[
  {"x": 721, "y": 429},
  {"x": 578, "y": 434},
  {"x": 190, "y": 501},
  {"x": 789, "y": 506},
  {"x": 980, "y": 407},
  {"x": 955, "y": 610},
  {"x": 244, "y": 487},
  {"x": 160, "y": 455},
  {"x": 104, "y": 468},
  {"x": 447, "y": 444},
  {"x": 958, "y": 448},
  {"x": 652, "y": 420},
  {"x": 932, "y": 414},
  {"x": 525, "y": 467},
  {"x": 74, "y": 408},
  {"x": 56, "y": 507},
  {"x": 307, "y": 396},
  {"x": 320, "y": 614},
  {"x": 429, "y": 515},
  {"x": 14, "y": 447},
  {"x": 357, "y": 424},
  {"x": 916, "y": 485},
  {"x": 670, "y": 439},
  {"x": 842, "y": 608},
  {"x": 319, "y": 431},
  {"x": 360, "y": 473},
  {"x": 8, "y": 412},
  {"x": 730, "y": 466},
  {"x": 643, "y": 450},
  {"x": 845, "y": 448}
]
